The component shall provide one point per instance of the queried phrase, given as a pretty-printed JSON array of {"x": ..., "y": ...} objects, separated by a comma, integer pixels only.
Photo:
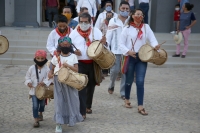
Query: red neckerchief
[
  {"x": 106, "y": 22},
  {"x": 67, "y": 31},
  {"x": 85, "y": 34},
  {"x": 140, "y": 33}
]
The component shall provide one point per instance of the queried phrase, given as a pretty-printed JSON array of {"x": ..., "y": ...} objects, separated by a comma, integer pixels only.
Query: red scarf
[
  {"x": 140, "y": 33},
  {"x": 67, "y": 31},
  {"x": 85, "y": 34}
]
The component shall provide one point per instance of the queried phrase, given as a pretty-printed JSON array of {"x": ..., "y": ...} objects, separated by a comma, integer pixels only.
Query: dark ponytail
[{"x": 189, "y": 6}]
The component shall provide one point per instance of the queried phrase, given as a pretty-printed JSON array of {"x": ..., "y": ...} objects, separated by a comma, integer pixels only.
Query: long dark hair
[
  {"x": 133, "y": 12},
  {"x": 189, "y": 6}
]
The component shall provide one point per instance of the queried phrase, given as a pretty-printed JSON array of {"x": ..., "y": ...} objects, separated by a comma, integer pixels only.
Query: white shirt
[
  {"x": 52, "y": 41},
  {"x": 90, "y": 4},
  {"x": 80, "y": 42},
  {"x": 144, "y": 1},
  {"x": 113, "y": 34},
  {"x": 76, "y": 19},
  {"x": 131, "y": 2},
  {"x": 129, "y": 33},
  {"x": 70, "y": 59},
  {"x": 102, "y": 17},
  {"x": 32, "y": 78}
]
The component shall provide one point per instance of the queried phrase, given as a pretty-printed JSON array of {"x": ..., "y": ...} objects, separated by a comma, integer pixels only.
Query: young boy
[
  {"x": 66, "y": 99},
  {"x": 176, "y": 17},
  {"x": 32, "y": 81}
]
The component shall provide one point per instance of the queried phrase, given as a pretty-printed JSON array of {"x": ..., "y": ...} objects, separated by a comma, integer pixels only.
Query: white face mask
[
  {"x": 84, "y": 26},
  {"x": 177, "y": 9}
]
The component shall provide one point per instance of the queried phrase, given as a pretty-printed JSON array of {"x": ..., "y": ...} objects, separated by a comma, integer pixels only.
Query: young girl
[
  {"x": 32, "y": 81},
  {"x": 66, "y": 99},
  {"x": 176, "y": 17}
]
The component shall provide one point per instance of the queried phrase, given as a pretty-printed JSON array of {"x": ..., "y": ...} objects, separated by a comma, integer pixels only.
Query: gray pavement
[{"x": 172, "y": 99}]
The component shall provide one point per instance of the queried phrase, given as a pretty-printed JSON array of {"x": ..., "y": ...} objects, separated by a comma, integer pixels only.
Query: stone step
[
  {"x": 23, "y": 43},
  {"x": 176, "y": 64},
  {"x": 171, "y": 36},
  {"x": 20, "y": 55},
  {"x": 26, "y": 37},
  {"x": 173, "y": 47},
  {"x": 30, "y": 49}
]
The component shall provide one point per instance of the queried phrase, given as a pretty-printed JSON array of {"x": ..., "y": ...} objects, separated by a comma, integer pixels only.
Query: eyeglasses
[{"x": 139, "y": 15}]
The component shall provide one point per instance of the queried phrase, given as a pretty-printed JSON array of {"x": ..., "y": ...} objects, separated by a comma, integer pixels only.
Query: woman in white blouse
[{"x": 132, "y": 38}]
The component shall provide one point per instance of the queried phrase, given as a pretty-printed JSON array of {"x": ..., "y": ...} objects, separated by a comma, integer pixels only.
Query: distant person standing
[
  {"x": 52, "y": 7},
  {"x": 131, "y": 3},
  {"x": 176, "y": 17},
  {"x": 187, "y": 20},
  {"x": 144, "y": 5},
  {"x": 90, "y": 4}
]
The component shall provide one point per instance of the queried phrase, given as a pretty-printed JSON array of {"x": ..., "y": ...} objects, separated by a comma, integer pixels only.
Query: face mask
[
  {"x": 68, "y": 16},
  {"x": 138, "y": 19},
  {"x": 62, "y": 30},
  {"x": 108, "y": 8},
  {"x": 40, "y": 63},
  {"x": 177, "y": 9},
  {"x": 84, "y": 26},
  {"x": 124, "y": 13},
  {"x": 65, "y": 50}
]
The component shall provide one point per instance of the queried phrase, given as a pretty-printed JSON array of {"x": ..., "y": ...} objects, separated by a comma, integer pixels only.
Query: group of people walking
[{"x": 123, "y": 34}]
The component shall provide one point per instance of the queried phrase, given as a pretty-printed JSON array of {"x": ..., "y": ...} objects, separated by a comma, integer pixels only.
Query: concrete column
[
  {"x": 2, "y": 12},
  {"x": 9, "y": 12},
  {"x": 25, "y": 13}
]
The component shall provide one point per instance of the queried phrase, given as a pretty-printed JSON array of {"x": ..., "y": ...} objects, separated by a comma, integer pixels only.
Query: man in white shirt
[
  {"x": 132, "y": 4},
  {"x": 82, "y": 10},
  {"x": 144, "y": 5},
  {"x": 90, "y": 4},
  {"x": 102, "y": 16},
  {"x": 115, "y": 27},
  {"x": 82, "y": 37}
]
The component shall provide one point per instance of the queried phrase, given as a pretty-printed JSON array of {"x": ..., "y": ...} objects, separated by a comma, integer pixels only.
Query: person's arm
[
  {"x": 178, "y": 24},
  {"x": 109, "y": 36},
  {"x": 151, "y": 37},
  {"x": 122, "y": 42},
  {"x": 50, "y": 44},
  {"x": 58, "y": 4},
  {"x": 193, "y": 21},
  {"x": 75, "y": 3},
  {"x": 28, "y": 81},
  {"x": 79, "y": 4},
  {"x": 95, "y": 9},
  {"x": 98, "y": 22}
]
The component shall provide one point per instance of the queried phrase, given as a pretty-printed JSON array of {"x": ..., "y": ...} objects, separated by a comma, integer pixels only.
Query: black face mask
[
  {"x": 65, "y": 50},
  {"x": 62, "y": 30},
  {"x": 108, "y": 19},
  {"x": 40, "y": 63}
]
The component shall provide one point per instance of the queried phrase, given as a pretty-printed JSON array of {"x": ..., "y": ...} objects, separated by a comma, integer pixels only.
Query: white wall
[{"x": 9, "y": 12}]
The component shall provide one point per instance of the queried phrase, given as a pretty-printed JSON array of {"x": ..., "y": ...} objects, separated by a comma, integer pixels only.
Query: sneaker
[
  {"x": 183, "y": 56},
  {"x": 58, "y": 129},
  {"x": 173, "y": 32},
  {"x": 176, "y": 55}
]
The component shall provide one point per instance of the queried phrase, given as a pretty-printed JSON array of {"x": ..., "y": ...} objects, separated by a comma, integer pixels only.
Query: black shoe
[
  {"x": 176, "y": 55},
  {"x": 183, "y": 56},
  {"x": 111, "y": 90}
]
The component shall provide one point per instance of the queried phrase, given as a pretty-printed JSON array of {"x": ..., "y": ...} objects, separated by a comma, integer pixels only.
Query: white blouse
[
  {"x": 32, "y": 78},
  {"x": 129, "y": 33},
  {"x": 71, "y": 60},
  {"x": 90, "y": 4}
]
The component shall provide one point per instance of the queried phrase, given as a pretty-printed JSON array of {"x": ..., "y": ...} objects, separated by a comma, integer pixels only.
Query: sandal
[
  {"x": 142, "y": 112},
  {"x": 36, "y": 124},
  {"x": 84, "y": 117},
  {"x": 40, "y": 118},
  {"x": 88, "y": 111},
  {"x": 110, "y": 91},
  {"x": 127, "y": 105}
]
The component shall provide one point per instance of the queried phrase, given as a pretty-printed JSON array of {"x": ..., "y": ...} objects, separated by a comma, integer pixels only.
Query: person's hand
[
  {"x": 50, "y": 74},
  {"x": 30, "y": 85},
  {"x": 78, "y": 52},
  {"x": 103, "y": 40},
  {"x": 65, "y": 65},
  {"x": 157, "y": 47},
  {"x": 187, "y": 27},
  {"x": 41, "y": 84},
  {"x": 131, "y": 53}
]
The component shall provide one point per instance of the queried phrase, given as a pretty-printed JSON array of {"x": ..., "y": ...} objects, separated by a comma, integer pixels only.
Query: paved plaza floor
[{"x": 172, "y": 99}]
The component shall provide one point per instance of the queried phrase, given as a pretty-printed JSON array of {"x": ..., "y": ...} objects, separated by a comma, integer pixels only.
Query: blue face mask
[
  {"x": 108, "y": 8},
  {"x": 124, "y": 13}
]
